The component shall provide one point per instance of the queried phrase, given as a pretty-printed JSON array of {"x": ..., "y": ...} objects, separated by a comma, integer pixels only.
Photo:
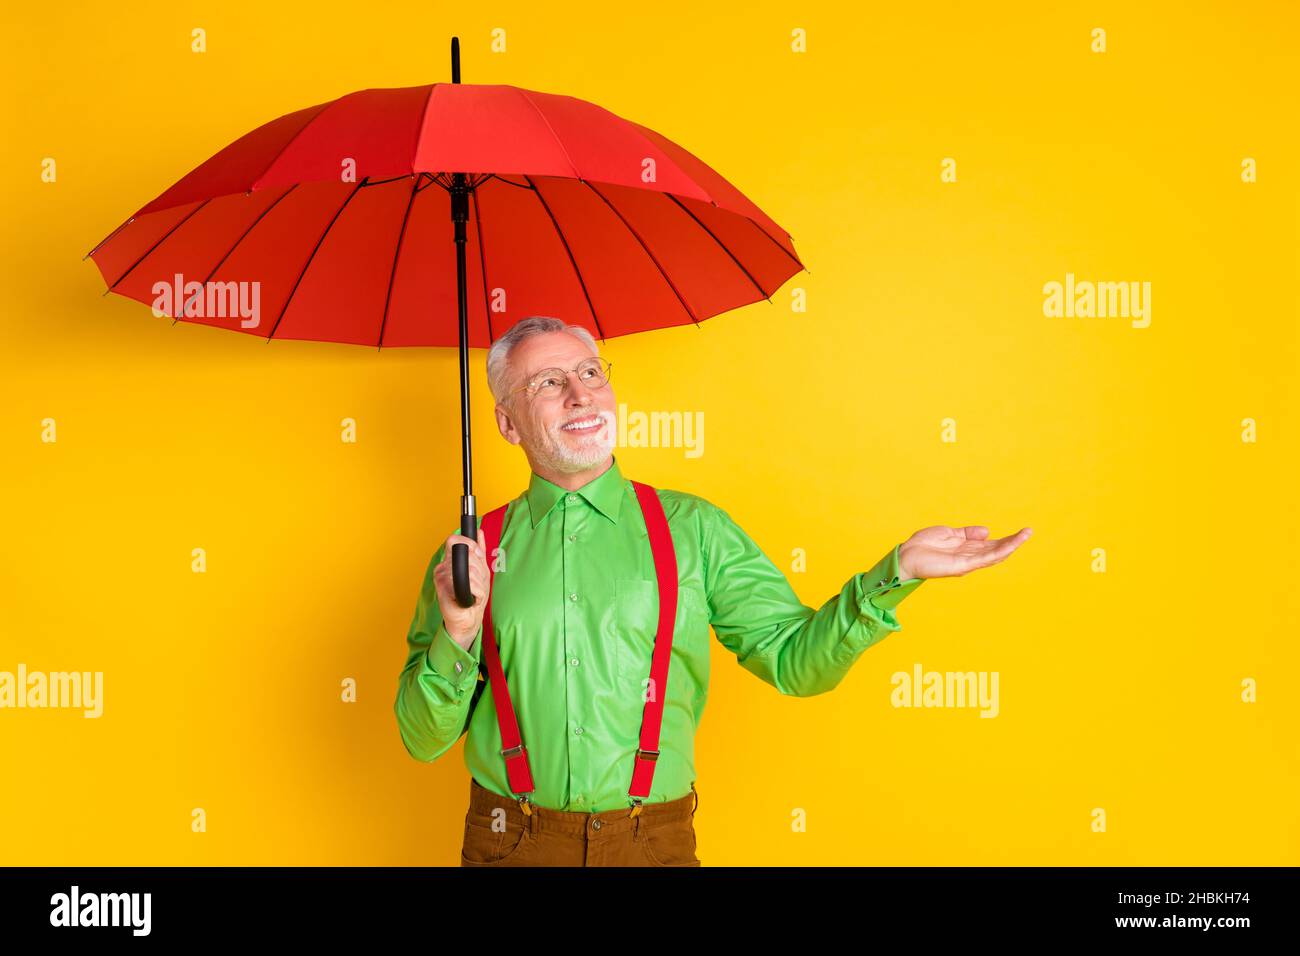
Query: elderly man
[{"x": 575, "y": 757}]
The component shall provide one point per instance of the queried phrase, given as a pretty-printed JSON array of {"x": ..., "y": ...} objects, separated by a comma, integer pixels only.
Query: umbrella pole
[{"x": 468, "y": 517}]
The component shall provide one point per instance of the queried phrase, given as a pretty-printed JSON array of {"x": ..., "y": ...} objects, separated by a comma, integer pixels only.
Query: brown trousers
[{"x": 498, "y": 833}]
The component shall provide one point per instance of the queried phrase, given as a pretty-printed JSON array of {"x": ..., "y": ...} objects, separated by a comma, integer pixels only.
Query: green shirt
[{"x": 575, "y": 606}]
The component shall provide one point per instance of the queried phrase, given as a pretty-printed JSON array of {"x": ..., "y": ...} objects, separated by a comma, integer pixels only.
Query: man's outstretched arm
[
  {"x": 803, "y": 652},
  {"x": 759, "y": 618}
]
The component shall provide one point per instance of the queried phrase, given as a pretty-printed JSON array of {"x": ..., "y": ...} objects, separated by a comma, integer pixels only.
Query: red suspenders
[{"x": 661, "y": 545}]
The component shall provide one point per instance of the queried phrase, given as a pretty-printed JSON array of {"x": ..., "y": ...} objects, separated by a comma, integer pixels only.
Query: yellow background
[{"x": 1118, "y": 690}]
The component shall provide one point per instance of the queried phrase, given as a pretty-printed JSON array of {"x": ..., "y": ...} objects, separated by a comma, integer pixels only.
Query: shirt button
[
  {"x": 578, "y": 798},
  {"x": 459, "y": 667},
  {"x": 573, "y": 661},
  {"x": 572, "y": 498},
  {"x": 578, "y": 732},
  {"x": 573, "y": 597},
  {"x": 573, "y": 537}
]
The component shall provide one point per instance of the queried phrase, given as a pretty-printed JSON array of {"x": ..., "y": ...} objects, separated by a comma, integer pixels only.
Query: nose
[{"x": 577, "y": 393}]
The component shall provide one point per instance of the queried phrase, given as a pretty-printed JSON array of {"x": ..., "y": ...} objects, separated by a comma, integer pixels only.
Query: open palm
[{"x": 944, "y": 552}]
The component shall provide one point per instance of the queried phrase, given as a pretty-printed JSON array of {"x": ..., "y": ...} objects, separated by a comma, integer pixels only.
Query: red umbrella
[{"x": 322, "y": 225}]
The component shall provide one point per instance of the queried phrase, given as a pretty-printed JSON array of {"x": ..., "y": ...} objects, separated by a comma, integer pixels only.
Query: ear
[{"x": 506, "y": 425}]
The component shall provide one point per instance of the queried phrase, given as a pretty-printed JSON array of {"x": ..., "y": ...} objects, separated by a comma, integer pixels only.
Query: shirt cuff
[
  {"x": 881, "y": 586},
  {"x": 459, "y": 667}
]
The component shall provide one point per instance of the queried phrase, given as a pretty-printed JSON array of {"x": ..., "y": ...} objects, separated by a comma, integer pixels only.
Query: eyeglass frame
[{"x": 606, "y": 363}]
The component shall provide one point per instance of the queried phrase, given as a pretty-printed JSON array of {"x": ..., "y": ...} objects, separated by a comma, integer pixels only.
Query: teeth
[{"x": 582, "y": 425}]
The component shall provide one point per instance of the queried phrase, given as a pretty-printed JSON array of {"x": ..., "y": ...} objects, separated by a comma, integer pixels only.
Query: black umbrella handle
[{"x": 460, "y": 561}]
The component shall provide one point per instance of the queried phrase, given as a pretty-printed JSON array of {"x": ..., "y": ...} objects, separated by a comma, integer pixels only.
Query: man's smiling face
[{"x": 567, "y": 433}]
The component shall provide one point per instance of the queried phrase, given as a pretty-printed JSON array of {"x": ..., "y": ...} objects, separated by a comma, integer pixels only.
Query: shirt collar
[{"x": 604, "y": 493}]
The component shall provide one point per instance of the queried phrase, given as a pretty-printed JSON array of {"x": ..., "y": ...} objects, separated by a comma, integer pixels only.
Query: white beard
[{"x": 559, "y": 453}]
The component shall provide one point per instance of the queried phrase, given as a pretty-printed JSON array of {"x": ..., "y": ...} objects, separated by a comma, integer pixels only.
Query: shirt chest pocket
[{"x": 636, "y": 620}]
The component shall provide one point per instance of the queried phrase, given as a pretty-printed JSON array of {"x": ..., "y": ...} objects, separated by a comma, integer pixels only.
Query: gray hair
[{"x": 499, "y": 354}]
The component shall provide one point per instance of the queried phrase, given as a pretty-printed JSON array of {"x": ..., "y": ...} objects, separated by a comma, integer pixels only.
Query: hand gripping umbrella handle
[{"x": 460, "y": 561}]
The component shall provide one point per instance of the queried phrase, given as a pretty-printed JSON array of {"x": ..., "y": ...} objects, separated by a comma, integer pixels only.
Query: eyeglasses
[{"x": 549, "y": 382}]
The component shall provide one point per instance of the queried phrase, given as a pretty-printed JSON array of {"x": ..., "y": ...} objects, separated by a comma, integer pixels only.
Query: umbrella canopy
[
  {"x": 573, "y": 212},
  {"x": 323, "y": 225}
]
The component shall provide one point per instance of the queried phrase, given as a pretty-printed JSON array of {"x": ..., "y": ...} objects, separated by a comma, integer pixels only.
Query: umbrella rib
[
  {"x": 646, "y": 249},
  {"x": 482, "y": 260},
  {"x": 558, "y": 142},
  {"x": 381, "y": 182},
  {"x": 419, "y": 135},
  {"x": 324, "y": 107},
  {"x": 157, "y": 244},
  {"x": 572, "y": 261},
  {"x": 260, "y": 217},
  {"x": 506, "y": 181},
  {"x": 307, "y": 264},
  {"x": 124, "y": 224},
  {"x": 723, "y": 245},
  {"x": 392, "y": 276},
  {"x": 774, "y": 242}
]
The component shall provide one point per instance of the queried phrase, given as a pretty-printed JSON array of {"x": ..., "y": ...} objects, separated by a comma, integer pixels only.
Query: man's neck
[{"x": 573, "y": 480}]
